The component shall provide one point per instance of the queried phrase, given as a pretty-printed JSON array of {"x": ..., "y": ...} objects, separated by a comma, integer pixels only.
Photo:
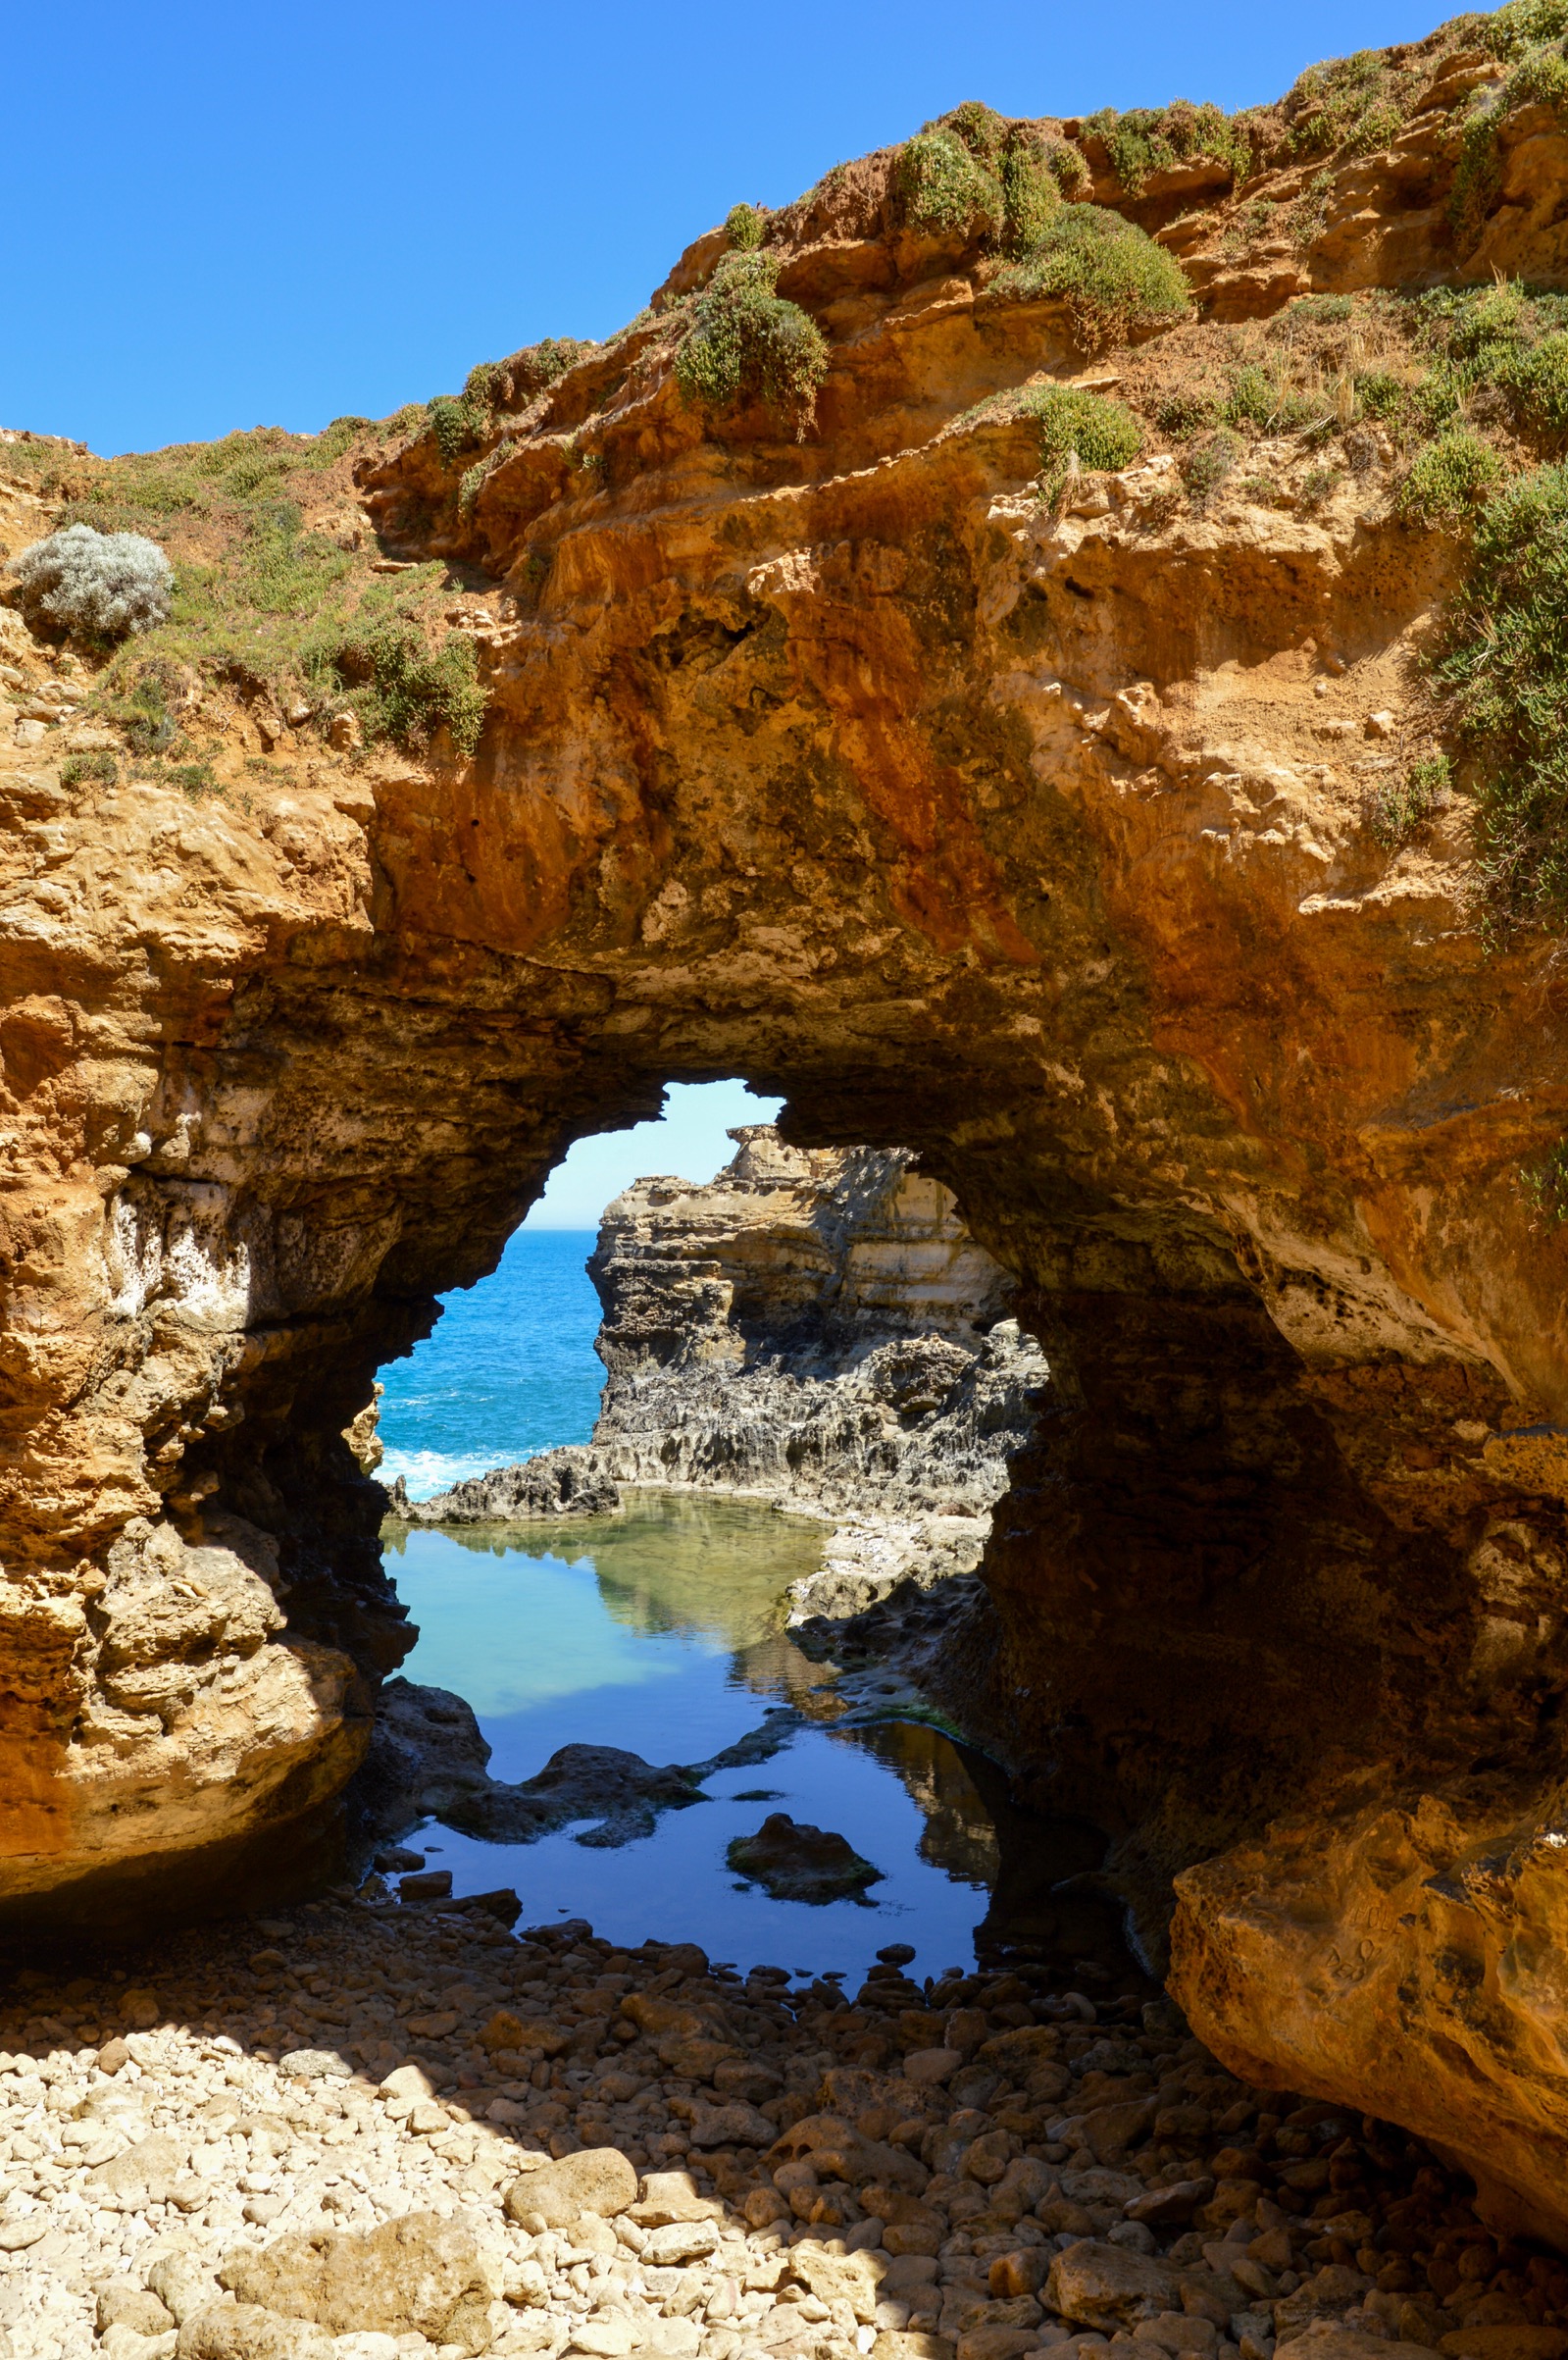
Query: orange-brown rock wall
[{"x": 1030, "y": 836}]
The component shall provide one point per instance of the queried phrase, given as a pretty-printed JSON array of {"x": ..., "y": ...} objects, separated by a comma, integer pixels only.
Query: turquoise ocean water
[{"x": 509, "y": 1369}]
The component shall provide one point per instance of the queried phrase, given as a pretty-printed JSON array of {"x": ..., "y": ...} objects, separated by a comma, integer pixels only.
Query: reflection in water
[{"x": 662, "y": 1630}]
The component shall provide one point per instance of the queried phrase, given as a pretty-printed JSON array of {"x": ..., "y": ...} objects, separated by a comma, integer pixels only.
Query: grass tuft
[
  {"x": 1402, "y": 805},
  {"x": 1545, "y": 1185},
  {"x": 745, "y": 339},
  {"x": 1207, "y": 463},
  {"x": 1112, "y": 275},
  {"x": 97, "y": 769}
]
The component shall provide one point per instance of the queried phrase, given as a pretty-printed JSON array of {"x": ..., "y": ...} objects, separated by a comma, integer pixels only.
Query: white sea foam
[{"x": 426, "y": 1472}]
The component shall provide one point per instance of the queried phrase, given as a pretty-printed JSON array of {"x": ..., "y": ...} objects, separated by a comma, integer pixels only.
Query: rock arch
[{"x": 1005, "y": 836}]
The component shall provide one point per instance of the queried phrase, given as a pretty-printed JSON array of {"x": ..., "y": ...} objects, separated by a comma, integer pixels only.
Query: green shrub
[
  {"x": 981, "y": 129},
  {"x": 1538, "y": 381},
  {"x": 1147, "y": 140},
  {"x": 1322, "y": 311},
  {"x": 1207, "y": 463},
  {"x": 1399, "y": 807},
  {"x": 1505, "y": 667},
  {"x": 1111, "y": 274},
  {"x": 456, "y": 424},
  {"x": 1348, "y": 103},
  {"x": 1540, "y": 76},
  {"x": 1544, "y": 1185},
  {"x": 941, "y": 188},
  {"x": 335, "y": 440},
  {"x": 1518, "y": 26},
  {"x": 97, "y": 769},
  {"x": 413, "y": 690},
  {"x": 1181, "y": 415},
  {"x": 1068, "y": 168},
  {"x": 1379, "y": 394},
  {"x": 1318, "y": 485},
  {"x": 1032, "y": 197},
  {"x": 1100, "y": 434},
  {"x": 745, "y": 226},
  {"x": 746, "y": 339},
  {"x": 1449, "y": 479}
]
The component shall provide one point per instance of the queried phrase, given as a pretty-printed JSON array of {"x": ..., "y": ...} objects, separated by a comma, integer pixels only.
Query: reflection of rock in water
[
  {"x": 980, "y": 1836},
  {"x": 959, "y": 1836},
  {"x": 1077, "y": 1931},
  {"x": 669, "y": 1561}
]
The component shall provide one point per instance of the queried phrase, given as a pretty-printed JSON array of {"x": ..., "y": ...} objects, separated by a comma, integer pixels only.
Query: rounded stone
[{"x": 598, "y": 2180}]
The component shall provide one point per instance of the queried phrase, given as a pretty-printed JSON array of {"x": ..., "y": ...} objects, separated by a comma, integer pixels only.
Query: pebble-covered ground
[{"x": 368, "y": 2130}]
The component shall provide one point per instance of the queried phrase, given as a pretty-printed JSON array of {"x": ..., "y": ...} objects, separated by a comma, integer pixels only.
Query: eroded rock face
[
  {"x": 816, "y": 1325},
  {"x": 1032, "y": 843}
]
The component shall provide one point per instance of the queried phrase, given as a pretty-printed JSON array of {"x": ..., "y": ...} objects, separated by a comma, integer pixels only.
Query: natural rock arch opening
[{"x": 965, "y": 823}]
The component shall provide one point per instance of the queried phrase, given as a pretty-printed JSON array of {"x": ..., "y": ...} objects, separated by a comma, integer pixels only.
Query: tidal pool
[{"x": 661, "y": 1630}]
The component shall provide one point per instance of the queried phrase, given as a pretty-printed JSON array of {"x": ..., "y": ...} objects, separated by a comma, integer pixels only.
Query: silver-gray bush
[{"x": 101, "y": 585}]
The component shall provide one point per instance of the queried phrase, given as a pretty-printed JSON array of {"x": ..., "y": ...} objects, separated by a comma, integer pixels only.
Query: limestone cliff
[
  {"x": 1042, "y": 830},
  {"x": 816, "y": 1325}
]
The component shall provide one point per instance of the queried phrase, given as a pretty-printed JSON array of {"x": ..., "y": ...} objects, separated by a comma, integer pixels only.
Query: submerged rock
[{"x": 796, "y": 1862}]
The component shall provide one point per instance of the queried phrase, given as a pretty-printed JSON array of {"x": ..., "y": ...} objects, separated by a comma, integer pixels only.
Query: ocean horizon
[{"x": 508, "y": 1370}]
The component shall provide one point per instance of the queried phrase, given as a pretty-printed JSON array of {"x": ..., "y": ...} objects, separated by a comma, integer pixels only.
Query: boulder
[
  {"x": 231, "y": 2331},
  {"x": 142, "y": 2175},
  {"x": 800, "y": 1862},
  {"x": 421, "y": 2273},
  {"x": 1505, "y": 2343},
  {"x": 735, "y": 2124},
  {"x": 599, "y": 2180},
  {"x": 1097, "y": 2285},
  {"x": 1326, "y": 2343}
]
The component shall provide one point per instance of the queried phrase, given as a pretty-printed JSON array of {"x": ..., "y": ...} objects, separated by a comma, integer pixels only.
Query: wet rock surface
[
  {"x": 375, "y": 2132},
  {"x": 794, "y": 1862},
  {"x": 428, "y": 1756}
]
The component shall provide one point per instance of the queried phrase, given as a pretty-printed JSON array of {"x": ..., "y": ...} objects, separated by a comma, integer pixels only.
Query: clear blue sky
[
  {"x": 233, "y": 216},
  {"x": 689, "y": 1143}
]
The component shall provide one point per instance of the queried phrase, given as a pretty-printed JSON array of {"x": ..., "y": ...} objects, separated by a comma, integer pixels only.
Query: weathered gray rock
[
  {"x": 817, "y": 1325},
  {"x": 568, "y": 1482}
]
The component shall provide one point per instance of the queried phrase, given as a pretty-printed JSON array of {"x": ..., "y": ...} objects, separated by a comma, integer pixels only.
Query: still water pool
[{"x": 662, "y": 1630}]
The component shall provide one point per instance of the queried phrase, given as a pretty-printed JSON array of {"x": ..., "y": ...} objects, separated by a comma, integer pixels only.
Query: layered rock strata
[{"x": 1031, "y": 837}]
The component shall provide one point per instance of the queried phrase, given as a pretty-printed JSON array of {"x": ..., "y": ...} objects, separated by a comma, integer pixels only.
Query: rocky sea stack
[{"x": 1044, "y": 654}]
